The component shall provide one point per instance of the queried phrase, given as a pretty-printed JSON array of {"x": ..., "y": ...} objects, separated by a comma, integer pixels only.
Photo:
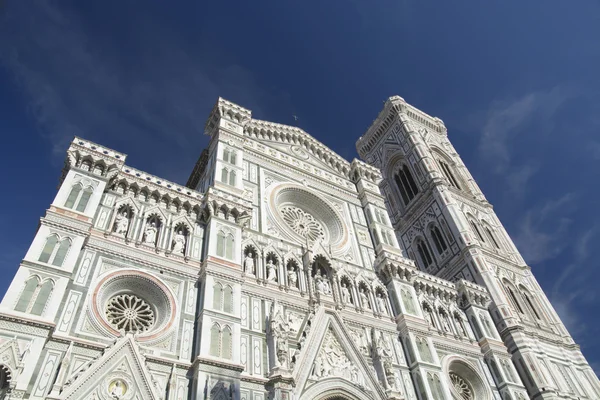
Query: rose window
[
  {"x": 129, "y": 313},
  {"x": 302, "y": 223},
  {"x": 461, "y": 386}
]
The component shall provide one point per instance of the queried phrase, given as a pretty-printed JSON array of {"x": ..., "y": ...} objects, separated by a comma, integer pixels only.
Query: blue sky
[{"x": 516, "y": 83}]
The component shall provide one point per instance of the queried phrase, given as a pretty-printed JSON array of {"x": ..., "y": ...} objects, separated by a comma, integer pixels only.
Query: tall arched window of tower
[
  {"x": 55, "y": 250},
  {"x": 35, "y": 295},
  {"x": 477, "y": 230},
  {"x": 425, "y": 257},
  {"x": 511, "y": 294},
  {"x": 530, "y": 302},
  {"x": 491, "y": 237},
  {"x": 438, "y": 239},
  {"x": 79, "y": 197},
  {"x": 406, "y": 184}
]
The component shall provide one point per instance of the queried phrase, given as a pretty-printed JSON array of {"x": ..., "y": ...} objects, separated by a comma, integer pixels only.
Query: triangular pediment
[
  {"x": 120, "y": 373},
  {"x": 10, "y": 357},
  {"x": 300, "y": 155},
  {"x": 331, "y": 355}
]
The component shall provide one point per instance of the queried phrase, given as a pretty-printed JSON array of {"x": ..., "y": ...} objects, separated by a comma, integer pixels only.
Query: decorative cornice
[
  {"x": 394, "y": 107},
  {"x": 296, "y": 136}
]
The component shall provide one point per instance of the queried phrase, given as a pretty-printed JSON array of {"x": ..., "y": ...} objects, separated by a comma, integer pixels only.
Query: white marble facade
[{"x": 282, "y": 271}]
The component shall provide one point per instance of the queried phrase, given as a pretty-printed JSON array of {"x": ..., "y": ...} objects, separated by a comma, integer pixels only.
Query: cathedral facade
[{"x": 282, "y": 271}]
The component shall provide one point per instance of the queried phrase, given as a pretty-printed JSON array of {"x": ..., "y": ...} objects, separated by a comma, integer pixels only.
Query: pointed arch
[
  {"x": 228, "y": 299},
  {"x": 405, "y": 184},
  {"x": 422, "y": 248},
  {"x": 49, "y": 246},
  {"x": 41, "y": 299},
  {"x": 218, "y": 296},
  {"x": 232, "y": 176},
  {"x": 27, "y": 294},
  {"x": 215, "y": 340},
  {"x": 438, "y": 239},
  {"x": 226, "y": 342},
  {"x": 61, "y": 252},
  {"x": 73, "y": 195}
]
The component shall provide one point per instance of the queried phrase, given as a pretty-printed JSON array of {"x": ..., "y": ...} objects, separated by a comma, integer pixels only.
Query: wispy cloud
[
  {"x": 541, "y": 230},
  {"x": 150, "y": 86},
  {"x": 571, "y": 290}
]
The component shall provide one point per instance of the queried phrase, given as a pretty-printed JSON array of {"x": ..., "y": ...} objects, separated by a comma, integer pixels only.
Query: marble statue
[
  {"x": 179, "y": 243},
  {"x": 121, "y": 223},
  {"x": 249, "y": 263},
  {"x": 381, "y": 303},
  {"x": 292, "y": 277},
  {"x": 364, "y": 299},
  {"x": 271, "y": 271},
  {"x": 346, "y": 297},
  {"x": 150, "y": 234}
]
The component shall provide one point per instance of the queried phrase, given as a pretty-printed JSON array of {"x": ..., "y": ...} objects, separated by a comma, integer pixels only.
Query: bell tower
[{"x": 445, "y": 224}]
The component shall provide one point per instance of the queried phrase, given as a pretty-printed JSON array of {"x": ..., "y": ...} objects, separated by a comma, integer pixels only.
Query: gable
[
  {"x": 120, "y": 373},
  {"x": 330, "y": 358}
]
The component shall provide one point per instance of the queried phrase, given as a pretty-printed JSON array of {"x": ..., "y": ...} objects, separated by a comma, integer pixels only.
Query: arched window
[
  {"x": 27, "y": 294},
  {"x": 477, "y": 231},
  {"x": 54, "y": 252},
  {"x": 513, "y": 298},
  {"x": 232, "y": 178},
  {"x": 34, "y": 296},
  {"x": 491, "y": 236},
  {"x": 438, "y": 239},
  {"x": 218, "y": 296},
  {"x": 449, "y": 175},
  {"x": 224, "y": 175},
  {"x": 78, "y": 197},
  {"x": 48, "y": 249},
  {"x": 424, "y": 253},
  {"x": 530, "y": 304},
  {"x": 226, "y": 337},
  {"x": 229, "y": 247},
  {"x": 73, "y": 196},
  {"x": 84, "y": 199},
  {"x": 61, "y": 253},
  {"x": 43, "y": 294},
  {"x": 228, "y": 299},
  {"x": 215, "y": 341},
  {"x": 229, "y": 156},
  {"x": 406, "y": 184},
  {"x": 221, "y": 244}
]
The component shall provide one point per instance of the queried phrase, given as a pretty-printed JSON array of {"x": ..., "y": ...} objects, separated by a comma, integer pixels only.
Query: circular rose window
[
  {"x": 466, "y": 383},
  {"x": 305, "y": 216},
  {"x": 461, "y": 386},
  {"x": 133, "y": 301},
  {"x": 129, "y": 313}
]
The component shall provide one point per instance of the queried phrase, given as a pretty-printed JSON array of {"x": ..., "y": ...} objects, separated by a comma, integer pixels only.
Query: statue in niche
[
  {"x": 381, "y": 303},
  {"x": 122, "y": 223},
  {"x": 280, "y": 330},
  {"x": 271, "y": 271},
  {"x": 445, "y": 323},
  {"x": 429, "y": 317},
  {"x": 292, "y": 276},
  {"x": 150, "y": 233},
  {"x": 346, "y": 297},
  {"x": 321, "y": 283},
  {"x": 249, "y": 263},
  {"x": 179, "y": 242},
  {"x": 364, "y": 299}
]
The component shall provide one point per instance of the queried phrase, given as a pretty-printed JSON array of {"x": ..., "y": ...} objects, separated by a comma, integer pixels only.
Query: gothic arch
[{"x": 336, "y": 389}]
